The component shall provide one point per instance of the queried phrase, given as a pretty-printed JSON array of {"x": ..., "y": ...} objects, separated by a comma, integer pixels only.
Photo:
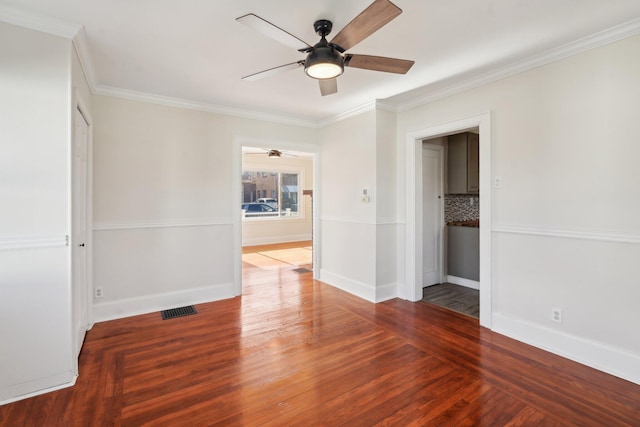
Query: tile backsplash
[{"x": 461, "y": 207}]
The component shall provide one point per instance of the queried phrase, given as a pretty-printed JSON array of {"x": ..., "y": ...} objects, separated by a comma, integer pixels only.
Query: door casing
[{"x": 411, "y": 288}]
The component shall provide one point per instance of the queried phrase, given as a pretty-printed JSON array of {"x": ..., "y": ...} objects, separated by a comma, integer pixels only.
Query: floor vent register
[{"x": 178, "y": 312}]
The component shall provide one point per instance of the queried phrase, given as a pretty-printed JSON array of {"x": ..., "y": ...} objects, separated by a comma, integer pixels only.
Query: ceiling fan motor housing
[{"x": 324, "y": 61}]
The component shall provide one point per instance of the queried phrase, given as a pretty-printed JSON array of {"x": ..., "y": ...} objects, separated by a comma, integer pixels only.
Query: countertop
[{"x": 472, "y": 223}]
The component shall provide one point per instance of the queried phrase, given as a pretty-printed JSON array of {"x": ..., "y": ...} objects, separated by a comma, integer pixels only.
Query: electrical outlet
[
  {"x": 98, "y": 292},
  {"x": 556, "y": 315},
  {"x": 497, "y": 182}
]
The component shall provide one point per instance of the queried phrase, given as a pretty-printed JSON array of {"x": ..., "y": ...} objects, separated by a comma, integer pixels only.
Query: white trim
[
  {"x": 461, "y": 281},
  {"x": 201, "y": 106},
  {"x": 570, "y": 234},
  {"x": 148, "y": 304},
  {"x": 575, "y": 47},
  {"x": 81, "y": 44},
  {"x": 38, "y": 22},
  {"x": 276, "y": 239},
  {"x": 32, "y": 242},
  {"x": 362, "y": 290},
  {"x": 605, "y": 358},
  {"x": 21, "y": 391},
  {"x": 354, "y": 287},
  {"x": 352, "y": 112},
  {"x": 386, "y": 292},
  {"x": 161, "y": 224},
  {"x": 412, "y": 288}
]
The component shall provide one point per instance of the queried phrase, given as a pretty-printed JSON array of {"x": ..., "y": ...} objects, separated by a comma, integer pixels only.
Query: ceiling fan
[
  {"x": 272, "y": 154},
  {"x": 326, "y": 60}
]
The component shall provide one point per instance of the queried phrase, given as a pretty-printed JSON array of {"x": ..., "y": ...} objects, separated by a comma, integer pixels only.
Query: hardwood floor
[
  {"x": 454, "y": 297},
  {"x": 294, "y": 351}
]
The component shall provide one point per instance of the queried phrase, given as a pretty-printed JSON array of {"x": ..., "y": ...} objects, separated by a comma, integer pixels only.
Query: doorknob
[{"x": 81, "y": 245}]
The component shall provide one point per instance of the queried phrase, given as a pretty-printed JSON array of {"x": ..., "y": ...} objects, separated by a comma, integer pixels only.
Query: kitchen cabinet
[
  {"x": 463, "y": 252},
  {"x": 463, "y": 163}
]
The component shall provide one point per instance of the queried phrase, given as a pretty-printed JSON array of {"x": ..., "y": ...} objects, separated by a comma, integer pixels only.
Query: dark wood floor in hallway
[{"x": 294, "y": 351}]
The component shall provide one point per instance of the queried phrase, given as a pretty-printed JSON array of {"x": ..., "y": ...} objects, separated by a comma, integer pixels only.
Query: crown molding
[
  {"x": 201, "y": 106},
  {"x": 45, "y": 24},
  {"x": 76, "y": 33},
  {"x": 355, "y": 111},
  {"x": 81, "y": 45},
  {"x": 363, "y": 108},
  {"x": 57, "y": 27},
  {"x": 584, "y": 44}
]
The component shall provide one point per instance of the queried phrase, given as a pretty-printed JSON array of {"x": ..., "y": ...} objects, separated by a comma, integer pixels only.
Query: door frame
[
  {"x": 411, "y": 289},
  {"x": 236, "y": 198}
]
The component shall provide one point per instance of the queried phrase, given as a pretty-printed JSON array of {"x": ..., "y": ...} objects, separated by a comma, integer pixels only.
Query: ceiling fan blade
[
  {"x": 378, "y": 63},
  {"x": 272, "y": 31},
  {"x": 370, "y": 20},
  {"x": 329, "y": 86},
  {"x": 271, "y": 71}
]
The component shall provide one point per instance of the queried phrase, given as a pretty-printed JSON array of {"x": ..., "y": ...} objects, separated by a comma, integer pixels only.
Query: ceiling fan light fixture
[
  {"x": 324, "y": 63},
  {"x": 274, "y": 154}
]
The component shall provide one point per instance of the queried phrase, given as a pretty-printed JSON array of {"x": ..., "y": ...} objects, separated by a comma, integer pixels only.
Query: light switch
[
  {"x": 497, "y": 181},
  {"x": 365, "y": 198}
]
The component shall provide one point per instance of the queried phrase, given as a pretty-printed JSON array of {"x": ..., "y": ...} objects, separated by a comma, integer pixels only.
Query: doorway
[
  {"x": 451, "y": 221},
  {"x": 276, "y": 202},
  {"x": 414, "y": 265}
]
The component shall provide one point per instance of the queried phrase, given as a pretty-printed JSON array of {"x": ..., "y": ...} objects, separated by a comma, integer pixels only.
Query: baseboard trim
[
  {"x": 386, "y": 292},
  {"x": 359, "y": 289},
  {"x": 119, "y": 309},
  {"x": 21, "y": 391},
  {"x": 461, "y": 281},
  {"x": 602, "y": 357}
]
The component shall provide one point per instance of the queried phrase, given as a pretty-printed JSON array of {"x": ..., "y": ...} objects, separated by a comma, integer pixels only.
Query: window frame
[{"x": 279, "y": 171}]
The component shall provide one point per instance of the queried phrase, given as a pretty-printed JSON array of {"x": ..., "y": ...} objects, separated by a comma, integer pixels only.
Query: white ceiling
[{"x": 194, "y": 50}]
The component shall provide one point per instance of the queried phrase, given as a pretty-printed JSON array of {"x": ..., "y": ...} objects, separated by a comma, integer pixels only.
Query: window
[{"x": 270, "y": 194}]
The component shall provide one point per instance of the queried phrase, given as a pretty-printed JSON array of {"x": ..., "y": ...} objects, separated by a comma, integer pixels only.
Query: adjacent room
[{"x": 329, "y": 213}]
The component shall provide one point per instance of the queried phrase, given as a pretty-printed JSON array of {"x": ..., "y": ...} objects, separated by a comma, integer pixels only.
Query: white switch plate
[
  {"x": 497, "y": 181},
  {"x": 365, "y": 197}
]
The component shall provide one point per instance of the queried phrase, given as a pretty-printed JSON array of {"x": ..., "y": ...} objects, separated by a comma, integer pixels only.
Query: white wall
[
  {"x": 35, "y": 318},
  {"x": 386, "y": 206},
  {"x": 565, "y": 230},
  {"x": 355, "y": 236},
  {"x": 260, "y": 232},
  {"x": 164, "y": 212}
]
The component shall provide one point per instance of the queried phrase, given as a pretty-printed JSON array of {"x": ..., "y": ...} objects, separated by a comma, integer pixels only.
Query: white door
[
  {"x": 79, "y": 280},
  {"x": 432, "y": 212}
]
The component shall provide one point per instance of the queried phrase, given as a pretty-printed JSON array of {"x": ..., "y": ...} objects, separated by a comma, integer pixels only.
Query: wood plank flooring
[
  {"x": 294, "y": 351},
  {"x": 454, "y": 297}
]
